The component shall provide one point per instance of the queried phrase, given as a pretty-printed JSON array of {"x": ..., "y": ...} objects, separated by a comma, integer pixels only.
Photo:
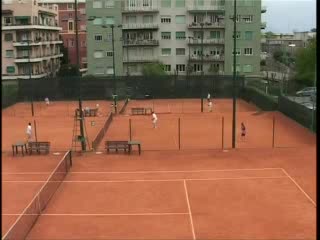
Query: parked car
[{"x": 307, "y": 92}]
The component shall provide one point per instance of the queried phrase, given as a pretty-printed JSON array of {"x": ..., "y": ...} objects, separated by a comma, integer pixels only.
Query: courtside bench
[
  {"x": 91, "y": 112},
  {"x": 39, "y": 147},
  {"x": 117, "y": 145},
  {"x": 138, "y": 111}
]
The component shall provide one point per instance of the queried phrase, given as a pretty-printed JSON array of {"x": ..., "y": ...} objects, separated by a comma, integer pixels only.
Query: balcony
[
  {"x": 207, "y": 58},
  {"x": 37, "y": 58},
  {"x": 263, "y": 9},
  {"x": 145, "y": 42},
  {"x": 23, "y": 76},
  {"x": 206, "y": 8},
  {"x": 146, "y": 9},
  {"x": 26, "y": 26},
  {"x": 132, "y": 26},
  {"x": 36, "y": 42},
  {"x": 263, "y": 25},
  {"x": 140, "y": 59},
  {"x": 206, "y": 41},
  {"x": 206, "y": 25}
]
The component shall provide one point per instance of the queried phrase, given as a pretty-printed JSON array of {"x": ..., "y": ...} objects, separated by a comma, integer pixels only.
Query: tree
[
  {"x": 65, "y": 58},
  {"x": 153, "y": 69},
  {"x": 269, "y": 35},
  {"x": 306, "y": 64},
  {"x": 69, "y": 80}
]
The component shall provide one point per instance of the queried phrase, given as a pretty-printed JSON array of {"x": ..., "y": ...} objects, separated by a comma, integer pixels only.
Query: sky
[{"x": 286, "y": 16}]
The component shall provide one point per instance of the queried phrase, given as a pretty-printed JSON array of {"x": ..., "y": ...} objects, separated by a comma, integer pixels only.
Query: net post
[
  {"x": 179, "y": 134},
  {"x": 222, "y": 133},
  {"x": 273, "y": 130},
  {"x": 130, "y": 132}
]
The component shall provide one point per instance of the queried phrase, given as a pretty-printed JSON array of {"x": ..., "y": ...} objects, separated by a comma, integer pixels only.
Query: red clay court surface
[{"x": 248, "y": 193}]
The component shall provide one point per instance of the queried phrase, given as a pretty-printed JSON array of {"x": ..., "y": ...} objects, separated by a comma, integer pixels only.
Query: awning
[
  {"x": 8, "y": 11},
  {"x": 22, "y": 17}
]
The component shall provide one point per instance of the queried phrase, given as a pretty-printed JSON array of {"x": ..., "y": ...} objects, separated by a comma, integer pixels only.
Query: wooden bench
[
  {"x": 39, "y": 147},
  {"x": 91, "y": 112},
  {"x": 117, "y": 145},
  {"x": 138, "y": 111}
]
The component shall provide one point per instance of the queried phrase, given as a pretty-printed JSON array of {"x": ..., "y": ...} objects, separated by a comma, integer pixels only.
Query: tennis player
[
  {"x": 208, "y": 97},
  {"x": 210, "y": 106},
  {"x": 154, "y": 119},
  {"x": 47, "y": 101},
  {"x": 243, "y": 131},
  {"x": 29, "y": 132}
]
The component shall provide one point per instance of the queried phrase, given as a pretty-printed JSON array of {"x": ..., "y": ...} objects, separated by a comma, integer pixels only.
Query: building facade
[
  {"x": 186, "y": 36},
  {"x": 30, "y": 40},
  {"x": 66, "y": 11}
]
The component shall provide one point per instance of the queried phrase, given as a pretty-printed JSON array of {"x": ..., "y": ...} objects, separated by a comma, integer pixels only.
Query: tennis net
[
  {"x": 25, "y": 222},
  {"x": 102, "y": 132}
]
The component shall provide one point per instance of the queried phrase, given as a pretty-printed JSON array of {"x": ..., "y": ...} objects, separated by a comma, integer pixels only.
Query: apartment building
[
  {"x": 186, "y": 36},
  {"x": 30, "y": 40},
  {"x": 66, "y": 15}
]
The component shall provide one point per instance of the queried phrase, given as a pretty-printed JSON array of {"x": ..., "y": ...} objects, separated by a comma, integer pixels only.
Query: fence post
[
  {"x": 130, "y": 136},
  {"x": 179, "y": 133},
  {"x": 222, "y": 134},
  {"x": 201, "y": 104},
  {"x": 35, "y": 130},
  {"x": 273, "y": 129}
]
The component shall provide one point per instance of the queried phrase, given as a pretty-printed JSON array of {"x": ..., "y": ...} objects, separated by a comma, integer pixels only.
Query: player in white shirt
[
  {"x": 29, "y": 132},
  {"x": 210, "y": 106},
  {"x": 47, "y": 101},
  {"x": 208, "y": 97},
  {"x": 154, "y": 120}
]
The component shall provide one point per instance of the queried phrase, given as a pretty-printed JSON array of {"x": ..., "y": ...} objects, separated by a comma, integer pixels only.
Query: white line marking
[
  {"x": 310, "y": 199},
  {"x": 189, "y": 208},
  {"x": 150, "y": 180},
  {"x": 161, "y": 171},
  {"x": 98, "y": 214}
]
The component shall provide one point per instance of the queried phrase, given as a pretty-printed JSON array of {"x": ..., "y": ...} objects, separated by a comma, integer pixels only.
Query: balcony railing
[
  {"x": 145, "y": 42},
  {"x": 127, "y": 9},
  {"x": 207, "y": 58},
  {"x": 140, "y": 26},
  {"x": 206, "y": 8},
  {"x": 140, "y": 59},
  {"x": 207, "y": 41},
  {"x": 36, "y": 42},
  {"x": 207, "y": 25}
]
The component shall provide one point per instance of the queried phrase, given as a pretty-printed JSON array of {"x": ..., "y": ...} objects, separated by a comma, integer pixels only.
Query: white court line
[
  {"x": 310, "y": 199},
  {"x": 189, "y": 208},
  {"x": 98, "y": 214},
  {"x": 160, "y": 171},
  {"x": 154, "y": 180}
]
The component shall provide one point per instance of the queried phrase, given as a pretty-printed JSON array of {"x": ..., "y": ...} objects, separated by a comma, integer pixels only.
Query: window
[
  {"x": 166, "y": 51},
  {"x": 238, "y": 68},
  {"x": 98, "y": 37},
  {"x": 180, "y": 3},
  {"x": 8, "y": 37},
  {"x": 70, "y": 6},
  {"x": 146, "y": 3},
  {"x": 131, "y": 19},
  {"x": 97, "y": 21},
  {"x": 109, "y": 4},
  {"x": 180, "y": 51},
  {"x": 181, "y": 68},
  {"x": 248, "y": 51},
  {"x": 70, "y": 26},
  {"x": 7, "y": 21},
  {"x": 215, "y": 34},
  {"x": 165, "y": 35},
  {"x": 166, "y": 3},
  {"x": 71, "y": 43},
  {"x": 109, "y": 36},
  {"x": 10, "y": 69},
  {"x": 109, "y": 20},
  {"x": 238, "y": 35},
  {"x": 167, "y": 68},
  {"x": 99, "y": 70},
  {"x": 109, "y": 53},
  {"x": 180, "y": 35},
  {"x": 197, "y": 67},
  {"x": 9, "y": 53},
  {"x": 248, "y": 35},
  {"x": 83, "y": 44},
  {"x": 109, "y": 70},
  {"x": 180, "y": 19},
  {"x": 198, "y": 18},
  {"x": 165, "y": 19},
  {"x": 238, "y": 52},
  {"x": 147, "y": 19},
  {"x": 247, "y": 68},
  {"x": 97, "y": 4},
  {"x": 98, "y": 54},
  {"x": 199, "y": 2},
  {"x": 248, "y": 18}
]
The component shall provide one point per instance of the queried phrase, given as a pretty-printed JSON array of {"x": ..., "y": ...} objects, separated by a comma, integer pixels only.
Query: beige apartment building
[{"x": 30, "y": 40}]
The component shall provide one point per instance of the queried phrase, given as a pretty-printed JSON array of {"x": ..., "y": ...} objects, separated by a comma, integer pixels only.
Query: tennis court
[{"x": 190, "y": 195}]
